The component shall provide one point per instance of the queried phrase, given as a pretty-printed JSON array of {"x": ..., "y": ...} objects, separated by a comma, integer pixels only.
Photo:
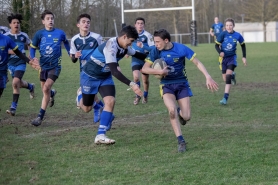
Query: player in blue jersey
[
  {"x": 228, "y": 41},
  {"x": 48, "y": 41},
  {"x": 216, "y": 28},
  {"x": 97, "y": 77},
  {"x": 7, "y": 43},
  {"x": 142, "y": 44},
  {"x": 16, "y": 65},
  {"x": 82, "y": 46},
  {"x": 3, "y": 29},
  {"x": 174, "y": 84}
]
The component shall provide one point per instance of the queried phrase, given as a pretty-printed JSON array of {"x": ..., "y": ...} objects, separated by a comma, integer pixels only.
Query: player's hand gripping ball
[{"x": 159, "y": 64}]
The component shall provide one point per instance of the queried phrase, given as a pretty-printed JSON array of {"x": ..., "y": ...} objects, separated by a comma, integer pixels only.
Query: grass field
[{"x": 232, "y": 144}]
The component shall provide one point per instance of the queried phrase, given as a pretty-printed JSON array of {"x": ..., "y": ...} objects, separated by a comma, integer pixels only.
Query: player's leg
[
  {"x": 107, "y": 91},
  {"x": 169, "y": 99},
  {"x": 136, "y": 78},
  {"x": 47, "y": 78},
  {"x": 98, "y": 107},
  {"x": 146, "y": 83}
]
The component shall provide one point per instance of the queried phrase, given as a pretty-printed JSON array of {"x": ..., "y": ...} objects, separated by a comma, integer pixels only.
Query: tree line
[{"x": 105, "y": 13}]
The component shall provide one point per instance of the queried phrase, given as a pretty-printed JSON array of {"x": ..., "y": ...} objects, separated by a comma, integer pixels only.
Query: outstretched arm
[
  {"x": 34, "y": 62},
  {"x": 243, "y": 48},
  {"x": 211, "y": 84}
]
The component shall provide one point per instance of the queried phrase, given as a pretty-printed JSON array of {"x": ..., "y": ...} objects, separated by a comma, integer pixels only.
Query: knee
[
  {"x": 86, "y": 109},
  {"x": 172, "y": 112},
  {"x": 136, "y": 79},
  {"x": 46, "y": 89},
  {"x": 228, "y": 79},
  {"x": 109, "y": 103},
  {"x": 16, "y": 85}
]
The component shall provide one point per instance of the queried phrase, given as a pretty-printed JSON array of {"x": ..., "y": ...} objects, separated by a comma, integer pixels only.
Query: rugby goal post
[{"x": 193, "y": 25}]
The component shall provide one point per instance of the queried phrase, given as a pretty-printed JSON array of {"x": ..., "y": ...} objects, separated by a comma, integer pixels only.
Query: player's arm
[
  {"x": 73, "y": 59},
  {"x": 140, "y": 56},
  {"x": 243, "y": 48},
  {"x": 211, "y": 32}
]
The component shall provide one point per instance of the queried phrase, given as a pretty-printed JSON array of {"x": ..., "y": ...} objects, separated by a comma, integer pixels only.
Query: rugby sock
[
  {"x": 104, "y": 122},
  {"x": 146, "y": 94},
  {"x": 138, "y": 83},
  {"x": 15, "y": 98},
  {"x": 226, "y": 96},
  {"x": 180, "y": 139},
  {"x": 41, "y": 114},
  {"x": 51, "y": 93},
  {"x": 14, "y": 105},
  {"x": 79, "y": 97},
  {"x": 29, "y": 86},
  {"x": 233, "y": 75}
]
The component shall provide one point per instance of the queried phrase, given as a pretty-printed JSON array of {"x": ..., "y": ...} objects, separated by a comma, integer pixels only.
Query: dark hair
[
  {"x": 163, "y": 34},
  {"x": 15, "y": 16},
  {"x": 230, "y": 20},
  {"x": 45, "y": 12},
  {"x": 82, "y": 16},
  {"x": 129, "y": 31},
  {"x": 139, "y": 19}
]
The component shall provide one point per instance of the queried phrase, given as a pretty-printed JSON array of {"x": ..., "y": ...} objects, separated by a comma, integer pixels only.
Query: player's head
[
  {"x": 47, "y": 19},
  {"x": 127, "y": 35},
  {"x": 139, "y": 24},
  {"x": 216, "y": 20},
  {"x": 83, "y": 22},
  {"x": 161, "y": 38},
  {"x": 229, "y": 25},
  {"x": 14, "y": 22}
]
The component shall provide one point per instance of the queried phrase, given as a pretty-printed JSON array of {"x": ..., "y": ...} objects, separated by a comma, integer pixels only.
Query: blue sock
[
  {"x": 180, "y": 139},
  {"x": 41, "y": 114},
  {"x": 79, "y": 97},
  {"x": 30, "y": 87},
  {"x": 14, "y": 105},
  {"x": 104, "y": 122},
  {"x": 146, "y": 94},
  {"x": 226, "y": 96},
  {"x": 138, "y": 83}
]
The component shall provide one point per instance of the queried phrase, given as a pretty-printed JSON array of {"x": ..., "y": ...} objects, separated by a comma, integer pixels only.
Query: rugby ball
[{"x": 159, "y": 64}]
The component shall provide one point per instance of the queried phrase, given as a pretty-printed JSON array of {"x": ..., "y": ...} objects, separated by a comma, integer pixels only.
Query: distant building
[{"x": 253, "y": 32}]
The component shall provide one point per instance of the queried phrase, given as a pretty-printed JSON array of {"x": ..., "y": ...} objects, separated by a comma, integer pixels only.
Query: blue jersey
[
  {"x": 228, "y": 42},
  {"x": 21, "y": 40},
  {"x": 5, "y": 44},
  {"x": 175, "y": 59},
  {"x": 217, "y": 28},
  {"x": 147, "y": 39},
  {"x": 49, "y": 43},
  {"x": 108, "y": 52},
  {"x": 3, "y": 29},
  {"x": 86, "y": 45}
]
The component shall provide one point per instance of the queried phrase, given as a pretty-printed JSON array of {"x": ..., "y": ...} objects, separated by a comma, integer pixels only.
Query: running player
[
  {"x": 228, "y": 41},
  {"x": 142, "y": 44},
  {"x": 49, "y": 41},
  {"x": 17, "y": 66},
  {"x": 97, "y": 77},
  {"x": 7, "y": 43},
  {"x": 174, "y": 84},
  {"x": 82, "y": 46}
]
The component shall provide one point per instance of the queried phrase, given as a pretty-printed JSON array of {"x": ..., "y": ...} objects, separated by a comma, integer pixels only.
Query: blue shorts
[
  {"x": 229, "y": 61},
  {"x": 137, "y": 65},
  {"x": 12, "y": 68},
  {"x": 3, "y": 81},
  {"x": 53, "y": 74},
  {"x": 180, "y": 90},
  {"x": 91, "y": 85}
]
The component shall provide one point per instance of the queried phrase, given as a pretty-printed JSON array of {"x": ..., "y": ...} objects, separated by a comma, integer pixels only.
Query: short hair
[
  {"x": 230, "y": 20},
  {"x": 129, "y": 31},
  {"x": 15, "y": 16},
  {"x": 46, "y": 12},
  {"x": 163, "y": 34},
  {"x": 139, "y": 19},
  {"x": 84, "y": 15}
]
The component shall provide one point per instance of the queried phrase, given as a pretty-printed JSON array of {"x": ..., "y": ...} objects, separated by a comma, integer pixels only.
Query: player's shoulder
[
  {"x": 75, "y": 37},
  {"x": 147, "y": 33},
  {"x": 24, "y": 34},
  {"x": 7, "y": 33},
  {"x": 95, "y": 35}
]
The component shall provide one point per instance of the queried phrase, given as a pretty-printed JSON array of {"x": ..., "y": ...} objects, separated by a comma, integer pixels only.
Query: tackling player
[
  {"x": 174, "y": 84},
  {"x": 97, "y": 77},
  {"x": 82, "y": 46},
  {"x": 16, "y": 65},
  {"x": 49, "y": 41}
]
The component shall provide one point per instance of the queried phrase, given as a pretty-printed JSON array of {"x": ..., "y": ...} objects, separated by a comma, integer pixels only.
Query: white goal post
[{"x": 192, "y": 7}]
